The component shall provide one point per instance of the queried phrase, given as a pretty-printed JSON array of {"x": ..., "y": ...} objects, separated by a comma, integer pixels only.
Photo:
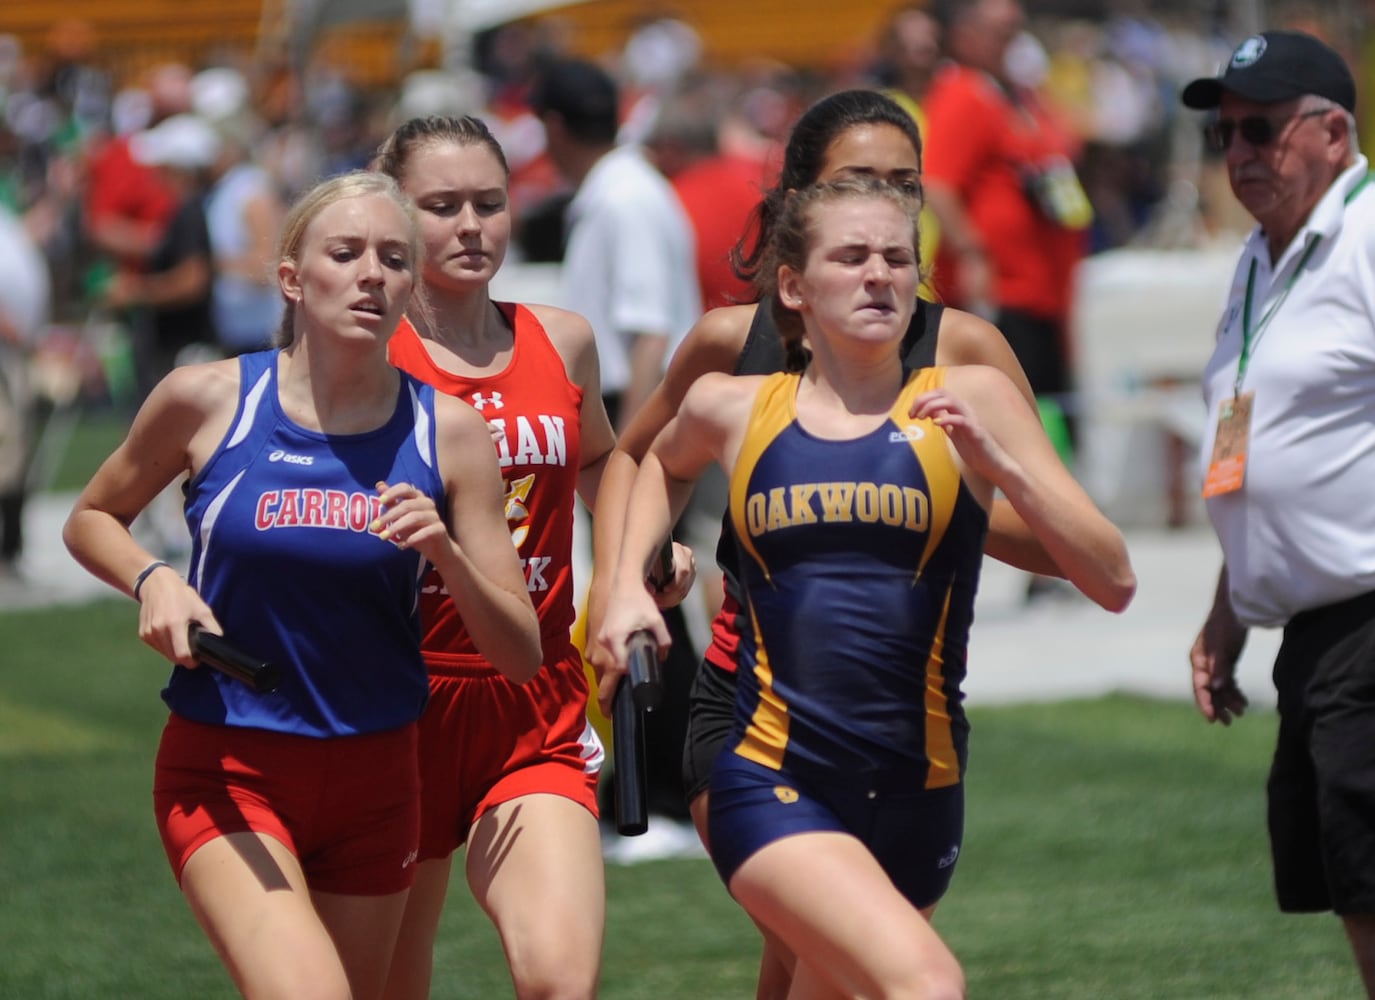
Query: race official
[{"x": 1288, "y": 461}]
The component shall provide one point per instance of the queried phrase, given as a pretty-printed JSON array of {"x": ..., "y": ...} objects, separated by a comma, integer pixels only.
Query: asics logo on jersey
[
  {"x": 908, "y": 433},
  {"x": 949, "y": 858},
  {"x": 290, "y": 459},
  {"x": 481, "y": 401},
  {"x": 410, "y": 859}
]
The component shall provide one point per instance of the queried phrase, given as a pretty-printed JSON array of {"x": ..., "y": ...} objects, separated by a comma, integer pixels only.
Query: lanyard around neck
[{"x": 1249, "y": 333}]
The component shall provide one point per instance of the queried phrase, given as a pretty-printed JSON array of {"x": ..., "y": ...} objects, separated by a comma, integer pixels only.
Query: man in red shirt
[
  {"x": 127, "y": 204},
  {"x": 718, "y": 188},
  {"x": 999, "y": 177}
]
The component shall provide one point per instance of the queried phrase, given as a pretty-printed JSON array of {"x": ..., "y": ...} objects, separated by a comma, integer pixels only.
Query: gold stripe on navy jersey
[
  {"x": 942, "y": 475},
  {"x": 859, "y": 561},
  {"x": 767, "y": 735},
  {"x": 773, "y": 410},
  {"x": 944, "y": 764}
]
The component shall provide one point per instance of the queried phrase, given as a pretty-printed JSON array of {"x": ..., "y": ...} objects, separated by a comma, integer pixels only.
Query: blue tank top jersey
[
  {"x": 283, "y": 552},
  {"x": 860, "y": 560}
]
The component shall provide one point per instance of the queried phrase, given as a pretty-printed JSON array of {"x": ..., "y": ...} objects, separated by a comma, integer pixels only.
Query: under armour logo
[{"x": 480, "y": 401}]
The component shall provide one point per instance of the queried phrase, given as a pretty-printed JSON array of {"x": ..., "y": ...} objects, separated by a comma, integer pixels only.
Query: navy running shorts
[{"x": 914, "y": 835}]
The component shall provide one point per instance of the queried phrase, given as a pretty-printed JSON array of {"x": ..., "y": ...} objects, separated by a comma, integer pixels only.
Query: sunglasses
[{"x": 1257, "y": 130}]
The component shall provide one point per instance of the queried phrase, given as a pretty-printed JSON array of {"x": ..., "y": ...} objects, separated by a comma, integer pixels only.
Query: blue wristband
[{"x": 138, "y": 580}]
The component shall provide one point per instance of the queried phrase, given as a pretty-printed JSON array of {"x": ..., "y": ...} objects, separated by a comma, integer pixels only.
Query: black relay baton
[
  {"x": 213, "y": 650},
  {"x": 641, "y": 690},
  {"x": 628, "y": 740},
  {"x": 646, "y": 685}
]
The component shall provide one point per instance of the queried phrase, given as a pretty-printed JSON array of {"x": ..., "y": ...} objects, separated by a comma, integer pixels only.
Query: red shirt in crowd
[{"x": 989, "y": 147}]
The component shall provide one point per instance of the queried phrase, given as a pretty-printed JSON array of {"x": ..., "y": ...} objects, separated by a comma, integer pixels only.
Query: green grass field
[
  {"x": 1115, "y": 849},
  {"x": 97, "y": 433}
]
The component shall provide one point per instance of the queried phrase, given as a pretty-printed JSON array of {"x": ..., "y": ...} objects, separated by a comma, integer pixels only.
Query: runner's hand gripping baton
[
  {"x": 215, "y": 651},
  {"x": 628, "y": 739},
  {"x": 641, "y": 690}
]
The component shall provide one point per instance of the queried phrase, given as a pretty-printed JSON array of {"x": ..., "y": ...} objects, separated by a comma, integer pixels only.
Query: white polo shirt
[
  {"x": 24, "y": 292},
  {"x": 1300, "y": 533},
  {"x": 630, "y": 265}
]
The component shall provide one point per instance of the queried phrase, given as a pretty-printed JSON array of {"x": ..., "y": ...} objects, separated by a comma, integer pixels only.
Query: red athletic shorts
[
  {"x": 485, "y": 741},
  {"x": 347, "y": 807}
]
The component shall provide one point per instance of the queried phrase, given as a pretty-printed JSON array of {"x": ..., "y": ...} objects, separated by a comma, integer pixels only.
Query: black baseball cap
[{"x": 1277, "y": 66}]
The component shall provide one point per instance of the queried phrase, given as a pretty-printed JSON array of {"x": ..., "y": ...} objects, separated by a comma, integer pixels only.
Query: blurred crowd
[
  {"x": 1114, "y": 82},
  {"x": 154, "y": 201}
]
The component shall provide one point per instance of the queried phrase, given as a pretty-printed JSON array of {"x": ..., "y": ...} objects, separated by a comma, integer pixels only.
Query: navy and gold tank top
[
  {"x": 762, "y": 354},
  {"x": 859, "y": 561}
]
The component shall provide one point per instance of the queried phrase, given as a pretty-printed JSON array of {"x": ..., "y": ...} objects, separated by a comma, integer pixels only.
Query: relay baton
[
  {"x": 628, "y": 739},
  {"x": 646, "y": 685},
  {"x": 642, "y": 672},
  {"x": 641, "y": 690},
  {"x": 662, "y": 573},
  {"x": 215, "y": 651}
]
